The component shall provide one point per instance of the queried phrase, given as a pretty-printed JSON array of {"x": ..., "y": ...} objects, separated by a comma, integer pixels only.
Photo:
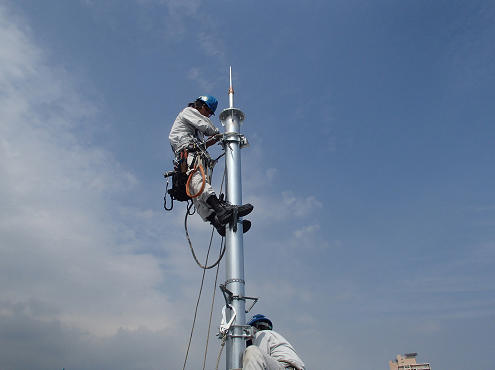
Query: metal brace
[
  {"x": 226, "y": 293},
  {"x": 244, "y": 141},
  {"x": 229, "y": 296},
  {"x": 252, "y": 305}
]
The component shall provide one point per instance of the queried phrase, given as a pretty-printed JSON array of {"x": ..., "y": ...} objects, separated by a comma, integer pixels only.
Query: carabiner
[{"x": 224, "y": 326}]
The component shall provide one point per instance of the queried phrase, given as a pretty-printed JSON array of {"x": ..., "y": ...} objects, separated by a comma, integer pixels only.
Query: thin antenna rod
[{"x": 231, "y": 91}]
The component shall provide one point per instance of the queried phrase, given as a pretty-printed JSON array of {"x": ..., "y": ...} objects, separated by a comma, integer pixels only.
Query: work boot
[
  {"x": 242, "y": 211},
  {"x": 246, "y": 224},
  {"x": 225, "y": 211},
  {"x": 224, "y": 214}
]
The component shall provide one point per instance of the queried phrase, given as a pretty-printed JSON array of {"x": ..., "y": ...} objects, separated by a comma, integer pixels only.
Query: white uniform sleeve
[
  {"x": 278, "y": 347},
  {"x": 202, "y": 123},
  {"x": 190, "y": 124}
]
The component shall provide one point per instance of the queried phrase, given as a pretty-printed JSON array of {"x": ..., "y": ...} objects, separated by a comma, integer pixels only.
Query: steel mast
[{"x": 233, "y": 289}]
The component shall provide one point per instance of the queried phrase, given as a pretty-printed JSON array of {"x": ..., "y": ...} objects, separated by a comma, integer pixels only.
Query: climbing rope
[
  {"x": 224, "y": 339},
  {"x": 204, "y": 268},
  {"x": 211, "y": 315},
  {"x": 192, "y": 248},
  {"x": 222, "y": 252},
  {"x": 197, "y": 302},
  {"x": 189, "y": 206}
]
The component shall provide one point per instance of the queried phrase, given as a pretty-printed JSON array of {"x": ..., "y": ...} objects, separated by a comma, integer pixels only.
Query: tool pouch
[
  {"x": 178, "y": 191},
  {"x": 179, "y": 178}
]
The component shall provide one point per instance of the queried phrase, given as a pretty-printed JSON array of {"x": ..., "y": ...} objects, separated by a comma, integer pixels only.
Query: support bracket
[{"x": 230, "y": 297}]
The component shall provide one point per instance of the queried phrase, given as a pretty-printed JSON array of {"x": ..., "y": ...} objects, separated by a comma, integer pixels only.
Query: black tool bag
[
  {"x": 178, "y": 191},
  {"x": 180, "y": 174}
]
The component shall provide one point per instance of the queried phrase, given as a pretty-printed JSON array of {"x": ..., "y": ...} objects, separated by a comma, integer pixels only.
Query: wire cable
[
  {"x": 204, "y": 267},
  {"x": 211, "y": 313},
  {"x": 197, "y": 302}
]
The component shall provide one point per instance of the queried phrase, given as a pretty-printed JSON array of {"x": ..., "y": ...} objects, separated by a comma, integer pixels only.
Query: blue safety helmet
[
  {"x": 260, "y": 318},
  {"x": 210, "y": 101}
]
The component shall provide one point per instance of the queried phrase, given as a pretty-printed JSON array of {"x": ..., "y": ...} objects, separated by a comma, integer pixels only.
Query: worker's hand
[{"x": 213, "y": 139}]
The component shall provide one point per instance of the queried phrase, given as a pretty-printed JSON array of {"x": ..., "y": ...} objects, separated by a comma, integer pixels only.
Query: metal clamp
[
  {"x": 235, "y": 281},
  {"x": 236, "y": 138},
  {"x": 248, "y": 332},
  {"x": 231, "y": 136}
]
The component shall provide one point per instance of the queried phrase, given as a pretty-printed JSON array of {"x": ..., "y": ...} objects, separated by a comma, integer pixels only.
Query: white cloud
[
  {"x": 300, "y": 206},
  {"x": 69, "y": 250},
  {"x": 197, "y": 74},
  {"x": 26, "y": 340},
  {"x": 82, "y": 277},
  {"x": 306, "y": 231},
  {"x": 212, "y": 45}
]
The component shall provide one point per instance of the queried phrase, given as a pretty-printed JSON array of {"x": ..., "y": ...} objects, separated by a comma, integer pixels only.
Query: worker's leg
[
  {"x": 256, "y": 359},
  {"x": 197, "y": 181},
  {"x": 208, "y": 200},
  {"x": 203, "y": 209},
  {"x": 195, "y": 185}
]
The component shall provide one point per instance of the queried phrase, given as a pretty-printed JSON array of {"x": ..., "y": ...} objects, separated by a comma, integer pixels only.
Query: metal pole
[{"x": 232, "y": 118}]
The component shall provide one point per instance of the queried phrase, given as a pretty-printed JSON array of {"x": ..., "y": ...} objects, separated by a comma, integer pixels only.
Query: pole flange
[{"x": 229, "y": 112}]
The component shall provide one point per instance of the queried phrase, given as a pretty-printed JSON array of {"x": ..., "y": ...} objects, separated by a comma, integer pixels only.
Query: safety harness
[{"x": 183, "y": 173}]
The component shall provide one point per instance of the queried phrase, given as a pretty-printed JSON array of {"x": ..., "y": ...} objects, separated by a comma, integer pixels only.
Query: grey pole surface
[{"x": 232, "y": 118}]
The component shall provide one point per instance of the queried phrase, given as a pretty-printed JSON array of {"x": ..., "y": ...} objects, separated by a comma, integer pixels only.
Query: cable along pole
[{"x": 233, "y": 289}]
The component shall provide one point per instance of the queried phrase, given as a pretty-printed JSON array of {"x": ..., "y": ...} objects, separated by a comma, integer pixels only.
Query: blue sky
[{"x": 370, "y": 168}]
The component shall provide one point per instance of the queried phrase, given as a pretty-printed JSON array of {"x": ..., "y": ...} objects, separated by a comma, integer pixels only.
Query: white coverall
[
  {"x": 191, "y": 124},
  {"x": 271, "y": 351}
]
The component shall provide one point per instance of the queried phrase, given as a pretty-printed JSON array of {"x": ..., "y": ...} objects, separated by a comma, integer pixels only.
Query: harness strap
[
  {"x": 201, "y": 161},
  {"x": 189, "y": 182}
]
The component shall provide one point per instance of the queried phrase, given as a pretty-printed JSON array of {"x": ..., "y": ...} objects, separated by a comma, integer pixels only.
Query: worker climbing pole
[
  {"x": 191, "y": 179},
  {"x": 193, "y": 165}
]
